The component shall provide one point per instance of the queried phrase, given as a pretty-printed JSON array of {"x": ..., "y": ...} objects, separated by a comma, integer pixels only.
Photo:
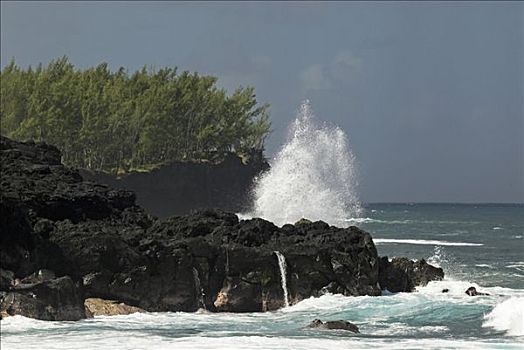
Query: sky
[{"x": 429, "y": 93}]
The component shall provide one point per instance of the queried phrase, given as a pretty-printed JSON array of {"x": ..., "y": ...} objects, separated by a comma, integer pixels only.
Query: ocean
[{"x": 476, "y": 245}]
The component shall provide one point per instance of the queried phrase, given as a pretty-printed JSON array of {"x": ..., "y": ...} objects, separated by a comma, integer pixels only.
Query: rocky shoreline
[{"x": 64, "y": 240}]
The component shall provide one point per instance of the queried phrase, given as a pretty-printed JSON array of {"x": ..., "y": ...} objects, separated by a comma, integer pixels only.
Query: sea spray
[
  {"x": 507, "y": 316},
  {"x": 313, "y": 176},
  {"x": 283, "y": 278}
]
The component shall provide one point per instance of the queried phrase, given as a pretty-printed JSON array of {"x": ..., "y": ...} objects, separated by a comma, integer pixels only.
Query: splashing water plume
[{"x": 312, "y": 176}]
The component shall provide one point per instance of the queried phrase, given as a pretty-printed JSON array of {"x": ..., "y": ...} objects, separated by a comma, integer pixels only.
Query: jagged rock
[
  {"x": 39, "y": 276},
  {"x": 403, "y": 275},
  {"x": 57, "y": 299},
  {"x": 101, "y": 307},
  {"x": 103, "y": 241},
  {"x": 472, "y": 292},
  {"x": 303, "y": 221},
  {"x": 332, "y": 325},
  {"x": 7, "y": 279}
]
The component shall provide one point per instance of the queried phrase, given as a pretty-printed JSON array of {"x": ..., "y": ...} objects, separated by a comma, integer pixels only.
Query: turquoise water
[{"x": 480, "y": 245}]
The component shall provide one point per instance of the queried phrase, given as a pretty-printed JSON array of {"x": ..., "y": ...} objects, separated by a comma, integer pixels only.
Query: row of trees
[{"x": 117, "y": 121}]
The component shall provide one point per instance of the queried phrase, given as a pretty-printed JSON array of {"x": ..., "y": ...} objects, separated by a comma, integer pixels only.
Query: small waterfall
[
  {"x": 199, "y": 290},
  {"x": 313, "y": 176},
  {"x": 282, "y": 266}
]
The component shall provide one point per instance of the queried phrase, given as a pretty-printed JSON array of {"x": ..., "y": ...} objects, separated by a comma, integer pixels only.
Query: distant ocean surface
[{"x": 479, "y": 245}]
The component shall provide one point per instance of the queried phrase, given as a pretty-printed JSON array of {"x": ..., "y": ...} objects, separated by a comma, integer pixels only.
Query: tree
[{"x": 116, "y": 121}]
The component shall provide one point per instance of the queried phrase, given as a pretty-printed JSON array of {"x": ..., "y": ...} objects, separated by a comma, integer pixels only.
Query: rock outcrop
[
  {"x": 472, "y": 292},
  {"x": 76, "y": 239},
  {"x": 180, "y": 187},
  {"x": 102, "y": 307},
  {"x": 57, "y": 299},
  {"x": 334, "y": 325},
  {"x": 403, "y": 275}
]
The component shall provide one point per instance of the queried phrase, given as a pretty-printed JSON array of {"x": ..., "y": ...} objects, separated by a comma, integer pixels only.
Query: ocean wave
[
  {"x": 516, "y": 264},
  {"x": 425, "y": 242},
  {"x": 484, "y": 266},
  {"x": 508, "y": 316},
  {"x": 401, "y": 329},
  {"x": 458, "y": 288},
  {"x": 368, "y": 220},
  {"x": 138, "y": 341},
  {"x": 327, "y": 301}
]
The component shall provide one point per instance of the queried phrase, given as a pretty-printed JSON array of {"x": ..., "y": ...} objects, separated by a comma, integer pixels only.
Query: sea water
[{"x": 476, "y": 245}]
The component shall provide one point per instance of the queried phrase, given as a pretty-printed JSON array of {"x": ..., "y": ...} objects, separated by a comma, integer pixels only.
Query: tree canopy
[{"x": 117, "y": 121}]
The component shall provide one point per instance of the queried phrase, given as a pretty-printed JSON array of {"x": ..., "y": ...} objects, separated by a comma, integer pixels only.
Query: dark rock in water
[
  {"x": 57, "y": 299},
  {"x": 472, "y": 291},
  {"x": 332, "y": 325},
  {"x": 53, "y": 220},
  {"x": 403, "y": 275},
  {"x": 179, "y": 187}
]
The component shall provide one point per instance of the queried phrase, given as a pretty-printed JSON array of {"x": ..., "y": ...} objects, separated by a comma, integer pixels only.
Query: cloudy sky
[{"x": 430, "y": 94}]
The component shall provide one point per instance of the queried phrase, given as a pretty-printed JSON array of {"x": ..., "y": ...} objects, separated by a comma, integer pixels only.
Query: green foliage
[{"x": 116, "y": 121}]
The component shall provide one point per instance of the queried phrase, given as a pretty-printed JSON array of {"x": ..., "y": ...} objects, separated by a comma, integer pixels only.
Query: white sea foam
[
  {"x": 380, "y": 319},
  {"x": 459, "y": 287},
  {"x": 484, "y": 266},
  {"x": 425, "y": 242},
  {"x": 313, "y": 176},
  {"x": 497, "y": 228},
  {"x": 257, "y": 342},
  {"x": 507, "y": 316}
]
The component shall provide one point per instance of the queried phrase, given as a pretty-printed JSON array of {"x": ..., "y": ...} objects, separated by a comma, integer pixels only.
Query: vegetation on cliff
[{"x": 117, "y": 121}]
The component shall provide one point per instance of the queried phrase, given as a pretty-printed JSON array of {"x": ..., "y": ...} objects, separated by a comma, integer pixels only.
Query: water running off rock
[
  {"x": 283, "y": 268},
  {"x": 199, "y": 290}
]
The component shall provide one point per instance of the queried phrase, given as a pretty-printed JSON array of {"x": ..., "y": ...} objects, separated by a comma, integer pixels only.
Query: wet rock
[
  {"x": 472, "y": 292},
  {"x": 101, "y": 307},
  {"x": 333, "y": 325},
  {"x": 403, "y": 275},
  {"x": 58, "y": 299}
]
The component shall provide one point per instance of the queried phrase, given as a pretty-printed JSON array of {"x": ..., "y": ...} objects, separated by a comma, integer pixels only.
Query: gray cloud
[
  {"x": 326, "y": 76},
  {"x": 430, "y": 94}
]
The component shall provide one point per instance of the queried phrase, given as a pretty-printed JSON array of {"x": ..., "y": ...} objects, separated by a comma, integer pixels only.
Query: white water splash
[
  {"x": 507, "y": 316},
  {"x": 282, "y": 266},
  {"x": 312, "y": 176}
]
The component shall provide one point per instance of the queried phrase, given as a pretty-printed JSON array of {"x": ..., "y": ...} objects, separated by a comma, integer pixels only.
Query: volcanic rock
[
  {"x": 332, "y": 325},
  {"x": 403, "y": 275},
  {"x": 57, "y": 299},
  {"x": 100, "y": 244}
]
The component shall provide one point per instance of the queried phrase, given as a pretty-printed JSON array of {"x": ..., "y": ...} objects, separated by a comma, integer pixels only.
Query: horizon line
[{"x": 455, "y": 203}]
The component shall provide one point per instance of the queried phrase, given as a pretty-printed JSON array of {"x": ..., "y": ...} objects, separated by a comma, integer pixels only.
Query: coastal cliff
[
  {"x": 64, "y": 239},
  {"x": 179, "y": 187}
]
